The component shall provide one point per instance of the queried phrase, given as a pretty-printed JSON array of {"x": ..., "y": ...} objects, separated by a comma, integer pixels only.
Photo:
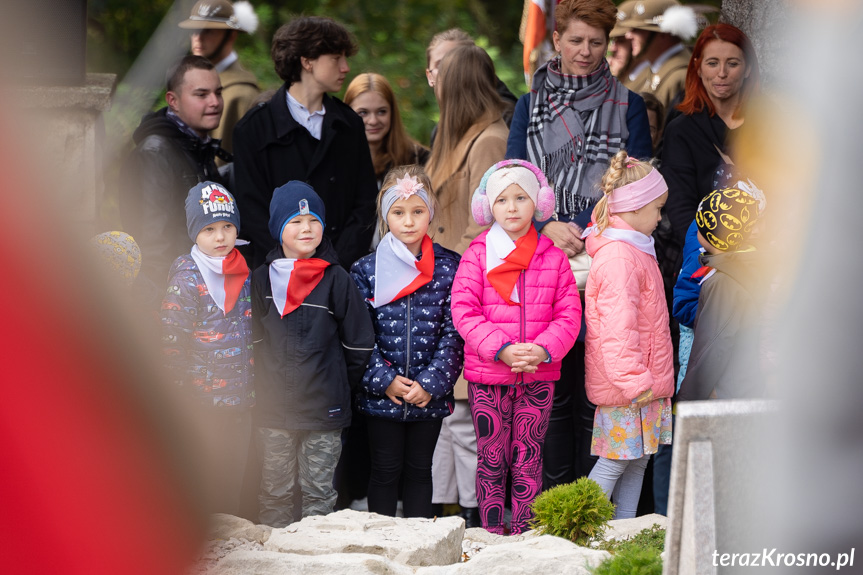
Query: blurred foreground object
[{"x": 88, "y": 484}]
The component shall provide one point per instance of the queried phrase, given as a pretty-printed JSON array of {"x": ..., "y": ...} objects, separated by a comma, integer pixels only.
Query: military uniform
[
  {"x": 239, "y": 90},
  {"x": 668, "y": 80}
]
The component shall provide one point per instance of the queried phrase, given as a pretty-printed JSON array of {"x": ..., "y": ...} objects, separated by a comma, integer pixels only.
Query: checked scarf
[{"x": 577, "y": 124}]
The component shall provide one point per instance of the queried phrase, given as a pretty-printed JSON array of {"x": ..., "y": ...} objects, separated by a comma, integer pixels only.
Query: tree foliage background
[{"x": 392, "y": 36}]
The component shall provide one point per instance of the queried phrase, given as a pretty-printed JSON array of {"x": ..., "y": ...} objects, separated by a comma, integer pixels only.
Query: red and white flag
[
  {"x": 224, "y": 276},
  {"x": 398, "y": 272},
  {"x": 292, "y": 280}
]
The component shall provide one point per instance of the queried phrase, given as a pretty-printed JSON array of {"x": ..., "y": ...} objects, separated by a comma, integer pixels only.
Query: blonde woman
[{"x": 371, "y": 96}]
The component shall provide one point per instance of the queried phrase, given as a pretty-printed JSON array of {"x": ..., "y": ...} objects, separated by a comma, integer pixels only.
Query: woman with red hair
[{"x": 722, "y": 76}]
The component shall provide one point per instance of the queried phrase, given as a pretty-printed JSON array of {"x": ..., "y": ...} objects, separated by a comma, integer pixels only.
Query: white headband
[{"x": 505, "y": 177}]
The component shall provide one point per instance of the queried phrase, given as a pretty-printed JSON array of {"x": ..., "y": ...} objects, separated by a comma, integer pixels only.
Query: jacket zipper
[
  {"x": 522, "y": 328},
  {"x": 408, "y": 357}
]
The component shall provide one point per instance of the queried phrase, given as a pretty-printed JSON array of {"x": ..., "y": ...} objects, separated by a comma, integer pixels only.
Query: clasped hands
[
  {"x": 408, "y": 390},
  {"x": 523, "y": 357}
]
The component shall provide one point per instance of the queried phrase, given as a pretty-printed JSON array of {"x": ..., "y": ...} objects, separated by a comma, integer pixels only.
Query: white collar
[
  {"x": 664, "y": 57},
  {"x": 637, "y": 70},
  {"x": 229, "y": 59},
  {"x": 636, "y": 239},
  {"x": 295, "y": 104}
]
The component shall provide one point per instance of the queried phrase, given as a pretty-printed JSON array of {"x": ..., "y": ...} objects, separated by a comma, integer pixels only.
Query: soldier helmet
[{"x": 221, "y": 15}]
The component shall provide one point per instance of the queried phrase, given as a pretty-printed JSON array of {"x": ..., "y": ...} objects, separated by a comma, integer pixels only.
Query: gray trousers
[
  {"x": 310, "y": 456},
  {"x": 454, "y": 461},
  {"x": 621, "y": 480}
]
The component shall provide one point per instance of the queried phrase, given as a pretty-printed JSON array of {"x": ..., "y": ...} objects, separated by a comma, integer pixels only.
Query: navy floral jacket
[
  {"x": 415, "y": 338},
  {"x": 204, "y": 349}
]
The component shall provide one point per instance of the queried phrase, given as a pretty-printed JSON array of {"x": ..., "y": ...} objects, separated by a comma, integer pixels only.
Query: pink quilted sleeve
[{"x": 617, "y": 300}]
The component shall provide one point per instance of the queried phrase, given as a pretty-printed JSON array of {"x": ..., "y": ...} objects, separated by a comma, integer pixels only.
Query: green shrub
[
  {"x": 576, "y": 511},
  {"x": 632, "y": 561},
  {"x": 651, "y": 538}
]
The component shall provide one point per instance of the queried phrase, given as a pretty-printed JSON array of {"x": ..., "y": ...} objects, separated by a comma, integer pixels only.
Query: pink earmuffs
[{"x": 481, "y": 208}]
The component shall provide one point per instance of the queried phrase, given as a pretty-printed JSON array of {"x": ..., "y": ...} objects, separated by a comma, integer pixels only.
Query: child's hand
[
  {"x": 400, "y": 387},
  {"x": 643, "y": 399},
  {"x": 417, "y": 395},
  {"x": 523, "y": 357}
]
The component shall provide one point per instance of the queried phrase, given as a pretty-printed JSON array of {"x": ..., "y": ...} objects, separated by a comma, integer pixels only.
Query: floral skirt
[{"x": 627, "y": 432}]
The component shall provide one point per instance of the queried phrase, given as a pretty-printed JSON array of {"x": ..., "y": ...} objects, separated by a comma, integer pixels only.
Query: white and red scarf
[
  {"x": 634, "y": 238},
  {"x": 292, "y": 280},
  {"x": 506, "y": 259},
  {"x": 398, "y": 272},
  {"x": 223, "y": 276}
]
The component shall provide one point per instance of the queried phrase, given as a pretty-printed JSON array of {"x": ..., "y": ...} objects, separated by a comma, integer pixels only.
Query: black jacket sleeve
[
  {"x": 356, "y": 331},
  {"x": 251, "y": 191},
  {"x": 356, "y": 238}
]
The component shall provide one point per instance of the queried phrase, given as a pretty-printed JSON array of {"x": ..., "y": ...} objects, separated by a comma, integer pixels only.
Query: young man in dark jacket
[
  {"x": 304, "y": 134},
  {"x": 173, "y": 153},
  {"x": 312, "y": 337}
]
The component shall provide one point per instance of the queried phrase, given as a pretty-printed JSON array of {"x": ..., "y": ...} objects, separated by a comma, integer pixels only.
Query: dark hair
[
  {"x": 177, "y": 72},
  {"x": 696, "y": 97},
  {"x": 600, "y": 14},
  {"x": 308, "y": 37}
]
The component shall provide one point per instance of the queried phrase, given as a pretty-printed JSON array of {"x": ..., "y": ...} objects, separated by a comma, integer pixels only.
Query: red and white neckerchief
[
  {"x": 292, "y": 280},
  {"x": 398, "y": 272},
  {"x": 224, "y": 276},
  {"x": 636, "y": 239},
  {"x": 505, "y": 259},
  {"x": 704, "y": 272}
]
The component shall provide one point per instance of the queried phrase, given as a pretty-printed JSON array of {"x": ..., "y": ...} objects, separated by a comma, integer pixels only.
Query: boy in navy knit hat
[
  {"x": 207, "y": 335},
  {"x": 313, "y": 337}
]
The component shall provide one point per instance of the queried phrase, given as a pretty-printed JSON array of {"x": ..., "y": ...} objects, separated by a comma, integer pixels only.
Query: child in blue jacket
[{"x": 407, "y": 388}]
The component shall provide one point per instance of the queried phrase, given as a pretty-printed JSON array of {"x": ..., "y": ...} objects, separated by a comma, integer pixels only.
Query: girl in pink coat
[
  {"x": 629, "y": 372},
  {"x": 515, "y": 303}
]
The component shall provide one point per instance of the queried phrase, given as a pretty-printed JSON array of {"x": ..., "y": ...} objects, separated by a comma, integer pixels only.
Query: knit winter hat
[
  {"x": 291, "y": 200},
  {"x": 119, "y": 253},
  {"x": 725, "y": 218},
  {"x": 210, "y": 202}
]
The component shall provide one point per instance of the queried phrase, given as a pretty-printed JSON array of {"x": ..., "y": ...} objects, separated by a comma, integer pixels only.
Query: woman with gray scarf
[{"x": 573, "y": 121}]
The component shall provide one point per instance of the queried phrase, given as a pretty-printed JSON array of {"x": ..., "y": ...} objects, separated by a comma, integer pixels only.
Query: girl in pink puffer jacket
[
  {"x": 515, "y": 303},
  {"x": 629, "y": 371}
]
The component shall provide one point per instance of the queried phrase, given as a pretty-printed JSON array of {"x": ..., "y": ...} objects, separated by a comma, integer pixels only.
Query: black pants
[
  {"x": 566, "y": 455},
  {"x": 401, "y": 450}
]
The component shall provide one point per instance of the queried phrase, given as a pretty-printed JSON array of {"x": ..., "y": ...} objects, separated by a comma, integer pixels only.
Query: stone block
[
  {"x": 415, "y": 542},
  {"x": 620, "y": 529},
  {"x": 542, "y": 555},
  {"x": 224, "y": 526},
  {"x": 720, "y": 496},
  {"x": 274, "y": 563}
]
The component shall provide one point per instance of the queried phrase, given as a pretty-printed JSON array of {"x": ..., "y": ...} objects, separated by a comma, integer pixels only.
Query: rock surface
[
  {"x": 619, "y": 529},
  {"x": 246, "y": 562},
  {"x": 541, "y": 555},
  {"x": 359, "y": 543},
  {"x": 223, "y": 526},
  {"x": 415, "y": 542}
]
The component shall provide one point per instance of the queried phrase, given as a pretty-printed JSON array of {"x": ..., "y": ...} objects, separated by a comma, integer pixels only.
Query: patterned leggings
[{"x": 510, "y": 423}]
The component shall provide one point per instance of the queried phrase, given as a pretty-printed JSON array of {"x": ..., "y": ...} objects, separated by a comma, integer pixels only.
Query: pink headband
[{"x": 638, "y": 194}]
